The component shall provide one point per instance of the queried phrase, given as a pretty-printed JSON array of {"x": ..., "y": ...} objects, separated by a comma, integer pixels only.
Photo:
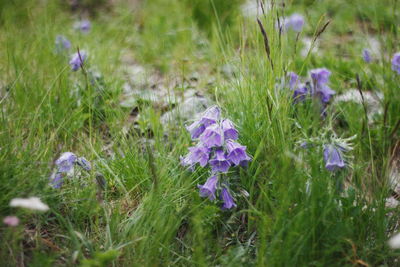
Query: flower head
[
  {"x": 66, "y": 162},
  {"x": 396, "y": 62},
  {"x": 229, "y": 130},
  {"x": 210, "y": 116},
  {"x": 227, "y": 199},
  {"x": 366, "y": 55},
  {"x": 62, "y": 43},
  {"x": 198, "y": 154},
  {"x": 296, "y": 22},
  {"x": 196, "y": 129},
  {"x": 219, "y": 163},
  {"x": 333, "y": 158},
  {"x": 56, "y": 180},
  {"x": 236, "y": 152},
  {"x": 208, "y": 189},
  {"x": 11, "y": 221},
  {"x": 32, "y": 203},
  {"x": 77, "y": 60},
  {"x": 320, "y": 76},
  {"x": 325, "y": 93},
  {"x": 212, "y": 136},
  {"x": 83, "y": 25}
]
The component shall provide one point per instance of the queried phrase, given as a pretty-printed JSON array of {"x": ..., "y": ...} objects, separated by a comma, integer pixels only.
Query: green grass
[{"x": 150, "y": 212}]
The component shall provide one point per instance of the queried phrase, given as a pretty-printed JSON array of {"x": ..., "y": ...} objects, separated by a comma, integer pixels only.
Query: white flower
[
  {"x": 394, "y": 241},
  {"x": 32, "y": 203}
]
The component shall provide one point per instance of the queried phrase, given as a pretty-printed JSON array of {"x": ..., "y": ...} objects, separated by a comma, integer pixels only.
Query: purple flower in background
[
  {"x": 213, "y": 136},
  {"x": 208, "y": 189},
  {"x": 210, "y": 116},
  {"x": 66, "y": 161},
  {"x": 83, "y": 25},
  {"x": 333, "y": 158},
  {"x": 320, "y": 76},
  {"x": 62, "y": 43},
  {"x": 229, "y": 130},
  {"x": 219, "y": 163},
  {"x": 325, "y": 93},
  {"x": 293, "y": 80},
  {"x": 77, "y": 60},
  {"x": 366, "y": 55},
  {"x": 299, "y": 89},
  {"x": 81, "y": 161},
  {"x": 296, "y": 22},
  {"x": 227, "y": 199},
  {"x": 196, "y": 129},
  {"x": 236, "y": 152},
  {"x": 396, "y": 62},
  {"x": 198, "y": 154}
]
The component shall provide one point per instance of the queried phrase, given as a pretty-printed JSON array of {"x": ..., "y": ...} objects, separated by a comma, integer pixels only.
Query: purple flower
[
  {"x": 196, "y": 129},
  {"x": 227, "y": 199},
  {"x": 293, "y": 80},
  {"x": 320, "y": 76},
  {"x": 66, "y": 162},
  {"x": 325, "y": 93},
  {"x": 396, "y": 62},
  {"x": 296, "y": 22},
  {"x": 198, "y": 154},
  {"x": 333, "y": 158},
  {"x": 208, "y": 189},
  {"x": 366, "y": 55},
  {"x": 81, "y": 161},
  {"x": 56, "y": 180},
  {"x": 213, "y": 136},
  {"x": 236, "y": 152},
  {"x": 219, "y": 163},
  {"x": 210, "y": 116},
  {"x": 77, "y": 60},
  {"x": 62, "y": 43},
  {"x": 84, "y": 26},
  {"x": 299, "y": 89},
  {"x": 229, "y": 130}
]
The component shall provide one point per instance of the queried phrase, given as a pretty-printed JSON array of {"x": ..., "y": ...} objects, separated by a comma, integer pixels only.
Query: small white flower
[
  {"x": 32, "y": 203},
  {"x": 394, "y": 241}
]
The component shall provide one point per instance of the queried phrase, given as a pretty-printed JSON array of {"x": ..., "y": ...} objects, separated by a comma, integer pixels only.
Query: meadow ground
[{"x": 320, "y": 188}]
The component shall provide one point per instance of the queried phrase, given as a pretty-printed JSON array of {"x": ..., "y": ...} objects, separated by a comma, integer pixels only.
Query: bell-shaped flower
[
  {"x": 236, "y": 152},
  {"x": 325, "y": 93},
  {"x": 396, "y": 62},
  {"x": 199, "y": 154},
  {"x": 229, "y": 130},
  {"x": 227, "y": 199},
  {"x": 219, "y": 163},
  {"x": 209, "y": 188},
  {"x": 196, "y": 129},
  {"x": 333, "y": 158},
  {"x": 77, "y": 60},
  {"x": 366, "y": 55},
  {"x": 320, "y": 76},
  {"x": 210, "y": 116},
  {"x": 213, "y": 136},
  {"x": 66, "y": 162}
]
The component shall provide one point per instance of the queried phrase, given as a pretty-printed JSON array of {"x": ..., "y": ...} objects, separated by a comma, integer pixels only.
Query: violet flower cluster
[
  {"x": 318, "y": 87},
  {"x": 65, "y": 164},
  {"x": 218, "y": 149}
]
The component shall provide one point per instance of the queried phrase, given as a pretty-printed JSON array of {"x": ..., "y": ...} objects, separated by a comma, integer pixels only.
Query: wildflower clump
[{"x": 217, "y": 148}]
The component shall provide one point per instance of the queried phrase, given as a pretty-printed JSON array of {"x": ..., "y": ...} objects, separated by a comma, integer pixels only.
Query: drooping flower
[
  {"x": 300, "y": 90},
  {"x": 227, "y": 199},
  {"x": 198, "y": 154},
  {"x": 325, "y": 93},
  {"x": 219, "y": 163},
  {"x": 11, "y": 221},
  {"x": 366, "y": 55},
  {"x": 296, "y": 22},
  {"x": 213, "y": 136},
  {"x": 229, "y": 130},
  {"x": 210, "y": 116},
  {"x": 293, "y": 80},
  {"x": 56, "y": 180},
  {"x": 32, "y": 203},
  {"x": 333, "y": 158},
  {"x": 196, "y": 129},
  {"x": 83, "y": 25},
  {"x": 66, "y": 162},
  {"x": 81, "y": 161},
  {"x": 320, "y": 76},
  {"x": 396, "y": 62},
  {"x": 62, "y": 43},
  {"x": 77, "y": 60},
  {"x": 208, "y": 189},
  {"x": 236, "y": 152}
]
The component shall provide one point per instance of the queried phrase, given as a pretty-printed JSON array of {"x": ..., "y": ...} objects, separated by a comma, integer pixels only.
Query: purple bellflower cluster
[
  {"x": 218, "y": 149},
  {"x": 317, "y": 87},
  {"x": 333, "y": 157},
  {"x": 396, "y": 62},
  {"x": 294, "y": 22},
  {"x": 77, "y": 60},
  {"x": 65, "y": 164}
]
